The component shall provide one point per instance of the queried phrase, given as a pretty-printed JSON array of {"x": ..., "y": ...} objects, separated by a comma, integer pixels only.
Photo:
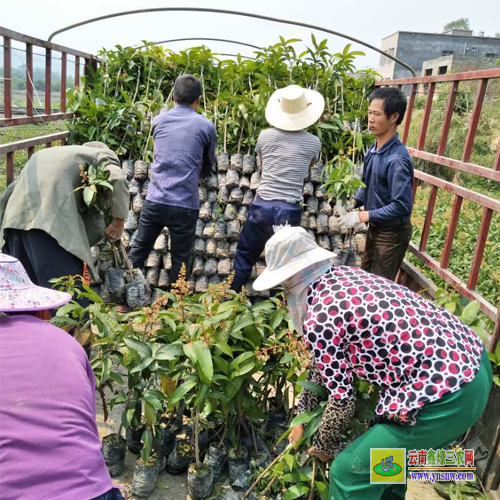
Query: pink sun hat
[{"x": 19, "y": 294}]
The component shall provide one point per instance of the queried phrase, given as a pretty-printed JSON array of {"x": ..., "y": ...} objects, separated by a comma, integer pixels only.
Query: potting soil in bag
[
  {"x": 238, "y": 495},
  {"x": 340, "y": 258},
  {"x": 244, "y": 183},
  {"x": 145, "y": 476},
  {"x": 215, "y": 459},
  {"x": 238, "y": 465},
  {"x": 222, "y": 162},
  {"x": 140, "y": 170},
  {"x": 247, "y": 197},
  {"x": 128, "y": 169},
  {"x": 133, "y": 438},
  {"x": 113, "y": 450},
  {"x": 200, "y": 482},
  {"x": 180, "y": 457},
  {"x": 137, "y": 294},
  {"x": 236, "y": 162},
  {"x": 115, "y": 281},
  {"x": 248, "y": 164},
  {"x": 243, "y": 482}
]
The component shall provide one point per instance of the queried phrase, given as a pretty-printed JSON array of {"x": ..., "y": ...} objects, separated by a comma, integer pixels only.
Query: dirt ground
[{"x": 175, "y": 487}]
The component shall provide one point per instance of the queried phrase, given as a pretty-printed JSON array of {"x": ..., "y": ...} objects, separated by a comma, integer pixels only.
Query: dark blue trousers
[{"x": 258, "y": 228}]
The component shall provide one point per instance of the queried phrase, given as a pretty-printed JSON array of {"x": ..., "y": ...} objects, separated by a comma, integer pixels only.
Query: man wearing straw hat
[
  {"x": 286, "y": 153},
  {"x": 49, "y": 443}
]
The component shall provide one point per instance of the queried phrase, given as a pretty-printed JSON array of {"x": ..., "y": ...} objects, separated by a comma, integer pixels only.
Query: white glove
[
  {"x": 349, "y": 220},
  {"x": 349, "y": 206}
]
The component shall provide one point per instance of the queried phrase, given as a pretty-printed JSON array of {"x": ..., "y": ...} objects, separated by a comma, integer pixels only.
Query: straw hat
[
  {"x": 294, "y": 108},
  {"x": 289, "y": 251},
  {"x": 19, "y": 294}
]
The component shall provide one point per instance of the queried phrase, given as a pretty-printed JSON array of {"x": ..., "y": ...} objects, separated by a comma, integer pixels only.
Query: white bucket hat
[
  {"x": 289, "y": 251},
  {"x": 294, "y": 108},
  {"x": 19, "y": 294}
]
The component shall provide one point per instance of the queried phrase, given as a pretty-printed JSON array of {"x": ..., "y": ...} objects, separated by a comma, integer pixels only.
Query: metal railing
[
  {"x": 33, "y": 115},
  {"x": 489, "y": 205}
]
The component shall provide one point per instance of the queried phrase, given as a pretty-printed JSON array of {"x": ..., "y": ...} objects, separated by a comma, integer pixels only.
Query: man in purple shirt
[
  {"x": 49, "y": 443},
  {"x": 184, "y": 151}
]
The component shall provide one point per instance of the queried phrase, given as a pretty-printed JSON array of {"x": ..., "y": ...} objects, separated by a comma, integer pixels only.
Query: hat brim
[
  {"x": 295, "y": 121},
  {"x": 271, "y": 278},
  {"x": 34, "y": 298}
]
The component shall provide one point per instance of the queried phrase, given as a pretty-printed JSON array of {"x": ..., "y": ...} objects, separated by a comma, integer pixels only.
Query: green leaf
[
  {"x": 322, "y": 489},
  {"x": 470, "y": 312},
  {"x": 224, "y": 348},
  {"x": 182, "y": 390},
  {"x": 142, "y": 365},
  {"x": 296, "y": 491},
  {"x": 147, "y": 441},
  {"x": 276, "y": 319},
  {"x": 168, "y": 352},
  {"x": 303, "y": 418},
  {"x": 149, "y": 413},
  {"x": 88, "y": 196},
  {"x": 314, "y": 388},
  {"x": 241, "y": 323},
  {"x": 190, "y": 353},
  {"x": 204, "y": 357},
  {"x": 140, "y": 347},
  {"x": 290, "y": 461}
]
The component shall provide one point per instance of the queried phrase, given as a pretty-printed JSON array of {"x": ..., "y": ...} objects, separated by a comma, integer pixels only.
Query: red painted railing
[
  {"x": 30, "y": 115},
  {"x": 483, "y": 77}
]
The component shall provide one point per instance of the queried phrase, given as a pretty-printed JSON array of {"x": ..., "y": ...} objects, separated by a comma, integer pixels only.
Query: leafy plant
[
  {"x": 95, "y": 187},
  {"x": 116, "y": 102},
  {"x": 341, "y": 182}
]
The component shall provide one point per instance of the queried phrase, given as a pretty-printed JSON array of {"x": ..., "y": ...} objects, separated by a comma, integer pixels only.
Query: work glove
[
  {"x": 350, "y": 206},
  {"x": 349, "y": 220}
]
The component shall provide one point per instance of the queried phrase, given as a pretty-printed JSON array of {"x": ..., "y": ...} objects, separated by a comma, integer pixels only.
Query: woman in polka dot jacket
[{"x": 433, "y": 372}]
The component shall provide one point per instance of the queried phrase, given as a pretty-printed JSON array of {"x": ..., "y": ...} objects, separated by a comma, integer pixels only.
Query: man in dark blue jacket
[{"x": 387, "y": 198}]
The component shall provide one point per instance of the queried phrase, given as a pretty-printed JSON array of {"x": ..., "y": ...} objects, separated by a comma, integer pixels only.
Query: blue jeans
[
  {"x": 258, "y": 228},
  {"x": 112, "y": 494}
]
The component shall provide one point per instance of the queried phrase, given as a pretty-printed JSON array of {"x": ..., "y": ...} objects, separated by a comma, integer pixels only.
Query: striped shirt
[{"x": 286, "y": 158}]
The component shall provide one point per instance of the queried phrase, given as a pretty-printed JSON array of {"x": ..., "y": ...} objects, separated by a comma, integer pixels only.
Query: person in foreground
[
  {"x": 49, "y": 443},
  {"x": 433, "y": 372},
  {"x": 46, "y": 224}
]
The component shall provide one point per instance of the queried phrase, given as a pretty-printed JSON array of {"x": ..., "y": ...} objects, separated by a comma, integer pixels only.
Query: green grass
[
  {"x": 17, "y": 133},
  {"x": 483, "y": 153}
]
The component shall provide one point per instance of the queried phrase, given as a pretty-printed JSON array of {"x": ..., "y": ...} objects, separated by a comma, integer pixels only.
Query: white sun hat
[
  {"x": 289, "y": 251},
  {"x": 294, "y": 108},
  {"x": 19, "y": 294}
]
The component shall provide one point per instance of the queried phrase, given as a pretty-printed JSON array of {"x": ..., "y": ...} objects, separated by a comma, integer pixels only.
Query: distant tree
[
  {"x": 497, "y": 34},
  {"x": 459, "y": 24}
]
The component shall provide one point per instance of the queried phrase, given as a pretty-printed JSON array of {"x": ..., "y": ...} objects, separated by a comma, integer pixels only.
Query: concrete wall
[
  {"x": 415, "y": 48},
  {"x": 455, "y": 64}
]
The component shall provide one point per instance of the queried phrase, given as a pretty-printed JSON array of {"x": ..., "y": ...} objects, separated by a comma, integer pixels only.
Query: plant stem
[
  {"x": 268, "y": 487},
  {"x": 196, "y": 439},
  {"x": 266, "y": 470},
  {"x": 104, "y": 406},
  {"x": 311, "y": 491}
]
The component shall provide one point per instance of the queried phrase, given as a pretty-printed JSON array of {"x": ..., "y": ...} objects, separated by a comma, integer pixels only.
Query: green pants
[{"x": 438, "y": 425}]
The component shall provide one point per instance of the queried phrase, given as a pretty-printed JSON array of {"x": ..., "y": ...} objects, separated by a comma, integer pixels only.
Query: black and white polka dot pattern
[{"x": 359, "y": 323}]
